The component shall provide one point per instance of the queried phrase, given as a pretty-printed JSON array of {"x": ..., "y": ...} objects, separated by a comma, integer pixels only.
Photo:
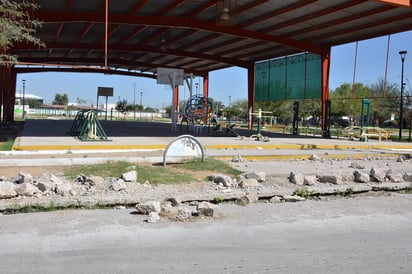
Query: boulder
[
  {"x": 258, "y": 176},
  {"x": 361, "y": 177},
  {"x": 7, "y": 190},
  {"x": 64, "y": 189},
  {"x": 45, "y": 186},
  {"x": 119, "y": 185},
  {"x": 377, "y": 175},
  {"x": 394, "y": 177},
  {"x": 247, "y": 199},
  {"x": 310, "y": 180},
  {"x": 356, "y": 165},
  {"x": 332, "y": 179},
  {"x": 183, "y": 214},
  {"x": 130, "y": 176},
  {"x": 25, "y": 178},
  {"x": 50, "y": 177},
  {"x": 206, "y": 209},
  {"x": 225, "y": 180},
  {"x": 407, "y": 177},
  {"x": 27, "y": 189},
  {"x": 296, "y": 178},
  {"x": 147, "y": 207},
  {"x": 245, "y": 183},
  {"x": 153, "y": 217}
]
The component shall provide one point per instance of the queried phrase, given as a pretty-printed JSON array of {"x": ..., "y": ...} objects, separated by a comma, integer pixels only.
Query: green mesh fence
[{"x": 289, "y": 78}]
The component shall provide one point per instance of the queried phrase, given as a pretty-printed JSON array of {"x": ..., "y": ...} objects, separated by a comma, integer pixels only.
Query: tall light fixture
[
  {"x": 24, "y": 94},
  {"x": 141, "y": 104},
  {"x": 402, "y": 54},
  {"x": 134, "y": 100}
]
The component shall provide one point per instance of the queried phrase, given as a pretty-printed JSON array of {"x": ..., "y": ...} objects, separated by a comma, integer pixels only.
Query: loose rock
[
  {"x": 27, "y": 189},
  {"x": 296, "y": 178},
  {"x": 153, "y": 217},
  {"x": 361, "y": 177},
  {"x": 377, "y": 175},
  {"x": 119, "y": 185},
  {"x": 130, "y": 176},
  {"x": 7, "y": 190},
  {"x": 148, "y": 207}
]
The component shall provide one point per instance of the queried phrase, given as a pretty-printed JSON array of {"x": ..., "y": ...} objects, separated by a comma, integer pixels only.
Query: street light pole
[
  {"x": 141, "y": 104},
  {"x": 403, "y": 54},
  {"x": 24, "y": 88},
  {"x": 229, "y": 109},
  {"x": 134, "y": 100}
]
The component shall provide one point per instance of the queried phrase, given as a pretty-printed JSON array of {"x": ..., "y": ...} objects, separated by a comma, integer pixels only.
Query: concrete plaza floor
[{"x": 147, "y": 141}]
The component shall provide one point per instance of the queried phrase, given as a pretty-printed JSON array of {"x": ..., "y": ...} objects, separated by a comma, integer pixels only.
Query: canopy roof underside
[{"x": 199, "y": 36}]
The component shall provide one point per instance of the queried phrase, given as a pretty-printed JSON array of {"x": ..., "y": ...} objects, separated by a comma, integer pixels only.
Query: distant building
[{"x": 27, "y": 98}]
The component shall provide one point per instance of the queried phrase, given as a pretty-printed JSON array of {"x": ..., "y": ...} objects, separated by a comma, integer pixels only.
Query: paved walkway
[{"x": 147, "y": 141}]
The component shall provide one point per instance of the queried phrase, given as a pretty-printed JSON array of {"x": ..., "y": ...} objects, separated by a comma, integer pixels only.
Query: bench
[
  {"x": 278, "y": 128},
  {"x": 374, "y": 132}
]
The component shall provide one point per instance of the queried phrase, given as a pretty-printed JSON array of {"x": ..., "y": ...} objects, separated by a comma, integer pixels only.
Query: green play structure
[{"x": 86, "y": 126}]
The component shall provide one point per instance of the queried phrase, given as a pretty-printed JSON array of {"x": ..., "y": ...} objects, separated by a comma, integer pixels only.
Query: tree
[
  {"x": 123, "y": 107},
  {"x": 60, "y": 99},
  {"x": 16, "y": 25},
  {"x": 346, "y": 104},
  {"x": 386, "y": 103}
]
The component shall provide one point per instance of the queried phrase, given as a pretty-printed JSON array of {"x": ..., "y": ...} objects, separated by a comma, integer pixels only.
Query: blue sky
[{"x": 371, "y": 62}]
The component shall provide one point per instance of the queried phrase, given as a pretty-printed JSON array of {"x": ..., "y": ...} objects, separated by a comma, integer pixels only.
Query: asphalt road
[{"x": 356, "y": 235}]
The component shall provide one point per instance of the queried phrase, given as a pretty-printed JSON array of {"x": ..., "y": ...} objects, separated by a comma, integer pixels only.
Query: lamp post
[
  {"x": 141, "y": 104},
  {"x": 402, "y": 54},
  {"x": 24, "y": 90},
  {"x": 134, "y": 100}
]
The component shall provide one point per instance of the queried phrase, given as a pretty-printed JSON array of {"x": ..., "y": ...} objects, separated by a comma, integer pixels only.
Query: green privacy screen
[{"x": 289, "y": 78}]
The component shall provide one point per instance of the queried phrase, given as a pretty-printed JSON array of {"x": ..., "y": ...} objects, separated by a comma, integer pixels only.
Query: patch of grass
[
  {"x": 347, "y": 193},
  {"x": 161, "y": 175},
  {"x": 304, "y": 193},
  {"x": 156, "y": 174},
  {"x": 7, "y": 146},
  {"x": 212, "y": 165},
  {"x": 108, "y": 169},
  {"x": 218, "y": 200}
]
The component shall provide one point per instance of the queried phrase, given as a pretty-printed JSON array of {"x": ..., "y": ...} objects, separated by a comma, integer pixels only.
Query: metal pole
[
  {"x": 403, "y": 54},
  {"x": 23, "y": 99},
  {"x": 141, "y": 104},
  {"x": 134, "y": 100}
]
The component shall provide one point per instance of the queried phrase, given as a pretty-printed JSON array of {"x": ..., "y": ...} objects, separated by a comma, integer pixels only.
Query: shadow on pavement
[{"x": 61, "y": 128}]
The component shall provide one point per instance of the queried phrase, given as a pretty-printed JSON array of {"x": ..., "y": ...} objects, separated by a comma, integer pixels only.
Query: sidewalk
[{"x": 147, "y": 141}]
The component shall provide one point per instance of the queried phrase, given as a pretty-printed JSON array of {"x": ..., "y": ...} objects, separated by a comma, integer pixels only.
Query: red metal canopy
[
  {"x": 134, "y": 37},
  {"x": 201, "y": 36}
]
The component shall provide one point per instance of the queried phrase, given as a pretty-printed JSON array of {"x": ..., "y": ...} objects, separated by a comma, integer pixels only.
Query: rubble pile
[{"x": 191, "y": 201}]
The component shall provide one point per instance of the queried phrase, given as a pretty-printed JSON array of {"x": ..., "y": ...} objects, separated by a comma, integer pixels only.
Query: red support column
[
  {"x": 325, "y": 91},
  {"x": 251, "y": 91},
  {"x": 206, "y": 85},
  {"x": 7, "y": 92},
  {"x": 176, "y": 99},
  {"x": 206, "y": 95}
]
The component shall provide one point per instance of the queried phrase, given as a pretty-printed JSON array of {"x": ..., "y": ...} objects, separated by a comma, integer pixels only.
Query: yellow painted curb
[
  {"x": 90, "y": 147},
  {"x": 356, "y": 156}
]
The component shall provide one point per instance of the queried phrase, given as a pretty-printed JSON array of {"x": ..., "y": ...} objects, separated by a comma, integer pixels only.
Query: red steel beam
[
  {"x": 182, "y": 22},
  {"x": 317, "y": 14},
  {"x": 341, "y": 20}
]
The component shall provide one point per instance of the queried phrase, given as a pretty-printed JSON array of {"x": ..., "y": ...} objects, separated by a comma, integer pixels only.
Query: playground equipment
[
  {"x": 86, "y": 127},
  {"x": 197, "y": 110},
  {"x": 196, "y": 113},
  {"x": 258, "y": 136}
]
